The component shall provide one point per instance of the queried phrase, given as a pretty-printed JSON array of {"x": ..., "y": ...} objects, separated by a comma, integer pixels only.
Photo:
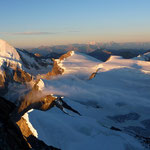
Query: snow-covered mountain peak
[{"x": 7, "y": 51}]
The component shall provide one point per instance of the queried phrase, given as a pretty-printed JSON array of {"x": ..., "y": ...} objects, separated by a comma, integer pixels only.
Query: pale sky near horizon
[{"x": 32, "y": 23}]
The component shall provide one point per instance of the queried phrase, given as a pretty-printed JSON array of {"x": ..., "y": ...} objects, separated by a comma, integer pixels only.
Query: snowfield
[{"x": 118, "y": 96}]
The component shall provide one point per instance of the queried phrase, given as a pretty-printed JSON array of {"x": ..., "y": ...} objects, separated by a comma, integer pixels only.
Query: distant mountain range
[{"x": 88, "y": 48}]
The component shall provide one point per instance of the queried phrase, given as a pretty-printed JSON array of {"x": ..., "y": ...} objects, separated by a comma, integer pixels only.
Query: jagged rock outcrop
[
  {"x": 21, "y": 76},
  {"x": 33, "y": 61},
  {"x": 22, "y": 123},
  {"x": 65, "y": 55},
  {"x": 94, "y": 74},
  {"x": 56, "y": 70},
  {"x": 34, "y": 99}
]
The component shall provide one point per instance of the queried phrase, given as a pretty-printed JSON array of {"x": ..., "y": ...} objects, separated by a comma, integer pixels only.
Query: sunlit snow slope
[
  {"x": 118, "y": 96},
  {"x": 79, "y": 65},
  {"x": 8, "y": 54}
]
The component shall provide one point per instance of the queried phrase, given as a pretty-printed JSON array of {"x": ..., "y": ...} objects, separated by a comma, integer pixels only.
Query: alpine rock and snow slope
[
  {"x": 9, "y": 61},
  {"x": 20, "y": 58},
  {"x": 114, "y": 105},
  {"x": 110, "y": 99},
  {"x": 19, "y": 66},
  {"x": 33, "y": 64}
]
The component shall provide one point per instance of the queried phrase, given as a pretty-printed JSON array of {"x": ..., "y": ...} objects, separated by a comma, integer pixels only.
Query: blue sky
[{"x": 31, "y": 23}]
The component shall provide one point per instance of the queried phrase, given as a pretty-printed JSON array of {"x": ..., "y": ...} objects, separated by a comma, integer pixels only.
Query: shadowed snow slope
[
  {"x": 33, "y": 64},
  {"x": 117, "y": 96},
  {"x": 145, "y": 57}
]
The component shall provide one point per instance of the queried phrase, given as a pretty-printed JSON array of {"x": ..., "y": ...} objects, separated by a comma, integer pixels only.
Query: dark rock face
[
  {"x": 17, "y": 136},
  {"x": 11, "y": 137},
  {"x": 6, "y": 108},
  {"x": 39, "y": 145}
]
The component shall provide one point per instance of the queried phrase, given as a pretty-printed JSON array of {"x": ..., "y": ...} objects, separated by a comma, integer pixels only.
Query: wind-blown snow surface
[{"x": 118, "y": 96}]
